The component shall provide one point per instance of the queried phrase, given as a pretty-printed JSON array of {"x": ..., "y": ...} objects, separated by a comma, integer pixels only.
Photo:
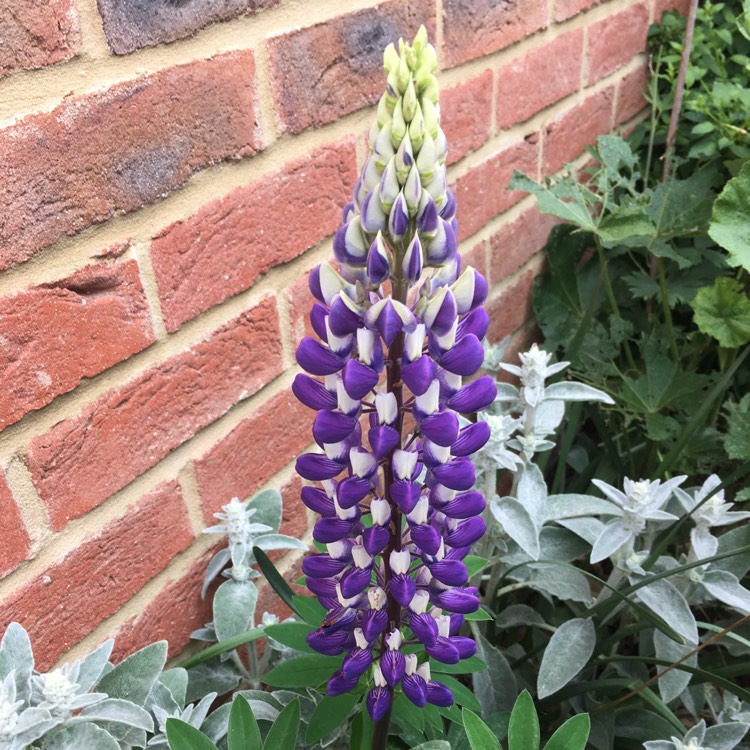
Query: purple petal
[
  {"x": 378, "y": 265},
  {"x": 466, "y": 646},
  {"x": 442, "y": 247},
  {"x": 466, "y": 356},
  {"x": 468, "y": 532},
  {"x": 465, "y": 601},
  {"x": 449, "y": 572},
  {"x": 405, "y": 494},
  {"x": 352, "y": 491},
  {"x": 357, "y": 662},
  {"x": 327, "y": 530},
  {"x": 318, "y": 315},
  {"x": 415, "y": 689},
  {"x": 393, "y": 665},
  {"x": 476, "y": 322},
  {"x": 438, "y": 694},
  {"x": 471, "y": 439},
  {"x": 313, "y": 393},
  {"x": 374, "y": 622},
  {"x": 419, "y": 374},
  {"x": 448, "y": 211},
  {"x": 317, "y": 467},
  {"x": 313, "y": 283},
  {"x": 424, "y": 627},
  {"x": 478, "y": 394},
  {"x": 402, "y": 588},
  {"x": 317, "y": 359},
  {"x": 318, "y": 501},
  {"x": 342, "y": 319},
  {"x": 466, "y": 505},
  {"x": 355, "y": 581},
  {"x": 332, "y": 427},
  {"x": 372, "y": 218},
  {"x": 378, "y": 702},
  {"x": 427, "y": 221},
  {"x": 348, "y": 244},
  {"x": 323, "y": 587},
  {"x": 443, "y": 650},
  {"x": 457, "y": 621},
  {"x": 383, "y": 439},
  {"x": 340, "y": 684},
  {"x": 413, "y": 262},
  {"x": 359, "y": 379},
  {"x": 329, "y": 642},
  {"x": 398, "y": 221},
  {"x": 322, "y": 566},
  {"x": 389, "y": 324},
  {"x": 446, "y": 315},
  {"x": 427, "y": 538},
  {"x": 376, "y": 539},
  {"x": 457, "y": 474},
  {"x": 441, "y": 428}
]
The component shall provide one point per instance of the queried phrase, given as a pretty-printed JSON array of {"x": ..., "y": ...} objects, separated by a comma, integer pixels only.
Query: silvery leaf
[
  {"x": 215, "y": 566},
  {"x": 567, "y": 391},
  {"x": 216, "y": 724},
  {"x": 264, "y": 705},
  {"x": 81, "y": 737},
  {"x": 556, "y": 543},
  {"x": 675, "y": 681},
  {"x": 517, "y": 524},
  {"x": 725, "y": 736},
  {"x": 531, "y": 492},
  {"x": 161, "y": 698},
  {"x": 613, "y": 536},
  {"x": 234, "y": 608},
  {"x": 518, "y": 615},
  {"x": 562, "y": 582},
  {"x": 739, "y": 564},
  {"x": 16, "y": 656},
  {"x": 725, "y": 587},
  {"x": 571, "y": 506},
  {"x": 116, "y": 711},
  {"x": 93, "y": 666},
  {"x": 704, "y": 543},
  {"x": 177, "y": 681},
  {"x": 495, "y": 687},
  {"x": 133, "y": 678},
  {"x": 267, "y": 505},
  {"x": 589, "y": 529},
  {"x": 567, "y": 653},
  {"x": 279, "y": 541},
  {"x": 547, "y": 417},
  {"x": 664, "y": 599},
  {"x": 211, "y": 676}
]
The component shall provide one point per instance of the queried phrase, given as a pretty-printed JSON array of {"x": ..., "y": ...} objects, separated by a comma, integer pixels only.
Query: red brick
[
  {"x": 294, "y": 514},
  {"x": 541, "y": 77},
  {"x": 568, "y": 135},
  {"x": 323, "y": 72},
  {"x": 662, "y": 6},
  {"x": 173, "y": 614},
  {"x": 511, "y": 309},
  {"x": 565, "y": 9},
  {"x": 83, "y": 461},
  {"x": 473, "y": 28},
  {"x": 129, "y": 26},
  {"x": 515, "y": 243},
  {"x": 35, "y": 34},
  {"x": 616, "y": 40},
  {"x": 300, "y": 303},
  {"x": 481, "y": 193},
  {"x": 90, "y": 583},
  {"x": 630, "y": 94},
  {"x": 253, "y": 452},
  {"x": 99, "y": 314},
  {"x": 116, "y": 150},
  {"x": 14, "y": 539},
  {"x": 476, "y": 257},
  {"x": 229, "y": 243},
  {"x": 466, "y": 111}
]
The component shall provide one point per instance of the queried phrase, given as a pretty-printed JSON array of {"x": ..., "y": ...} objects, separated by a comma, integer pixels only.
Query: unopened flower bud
[
  {"x": 410, "y": 103},
  {"x": 398, "y": 125}
]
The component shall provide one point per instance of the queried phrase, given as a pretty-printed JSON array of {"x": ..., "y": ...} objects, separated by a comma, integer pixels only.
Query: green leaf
[
  {"x": 475, "y": 564},
  {"x": 737, "y": 440},
  {"x": 329, "y": 713},
  {"x": 222, "y": 647},
  {"x": 275, "y": 579},
  {"x": 479, "y": 734},
  {"x": 309, "y": 609},
  {"x": 303, "y": 671},
  {"x": 405, "y": 712},
  {"x": 723, "y": 311},
  {"x": 481, "y": 615},
  {"x": 243, "y": 733},
  {"x": 730, "y": 220},
  {"x": 283, "y": 733},
  {"x": 292, "y": 634},
  {"x": 572, "y": 735},
  {"x": 362, "y": 727},
  {"x": 523, "y": 730},
  {"x": 182, "y": 736},
  {"x": 465, "y": 666},
  {"x": 462, "y": 695}
]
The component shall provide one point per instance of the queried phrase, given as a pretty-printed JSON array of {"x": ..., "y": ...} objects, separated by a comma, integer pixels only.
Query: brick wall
[{"x": 169, "y": 173}]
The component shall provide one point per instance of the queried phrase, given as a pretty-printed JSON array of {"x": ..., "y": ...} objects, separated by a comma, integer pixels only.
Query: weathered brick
[
  {"x": 35, "y": 34},
  {"x": 473, "y": 28},
  {"x": 541, "y": 77},
  {"x": 516, "y": 242},
  {"x": 116, "y": 150},
  {"x": 475, "y": 257},
  {"x": 481, "y": 193},
  {"x": 565, "y": 9},
  {"x": 616, "y": 40},
  {"x": 466, "y": 111},
  {"x": 91, "y": 582},
  {"x": 323, "y": 72},
  {"x": 56, "y": 334},
  {"x": 230, "y": 242},
  {"x": 14, "y": 539},
  {"x": 294, "y": 513},
  {"x": 132, "y": 24},
  {"x": 662, "y": 6},
  {"x": 511, "y": 309},
  {"x": 172, "y": 615},
  {"x": 82, "y": 461},
  {"x": 566, "y": 137},
  {"x": 630, "y": 94},
  {"x": 253, "y": 452}
]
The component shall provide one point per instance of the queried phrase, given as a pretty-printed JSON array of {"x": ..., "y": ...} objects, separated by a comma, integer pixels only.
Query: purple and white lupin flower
[{"x": 400, "y": 327}]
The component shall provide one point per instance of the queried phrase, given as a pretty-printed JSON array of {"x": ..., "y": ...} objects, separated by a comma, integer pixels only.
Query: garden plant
[{"x": 551, "y": 553}]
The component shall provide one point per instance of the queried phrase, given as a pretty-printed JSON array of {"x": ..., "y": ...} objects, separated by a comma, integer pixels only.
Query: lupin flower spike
[{"x": 400, "y": 327}]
